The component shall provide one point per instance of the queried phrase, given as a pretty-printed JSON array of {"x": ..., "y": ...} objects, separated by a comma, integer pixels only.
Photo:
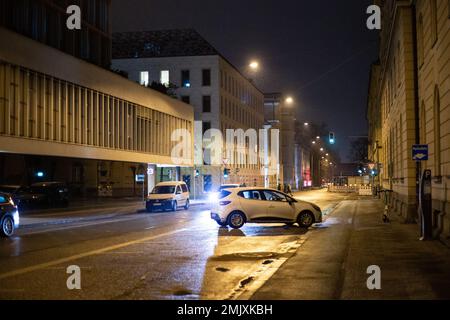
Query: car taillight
[{"x": 224, "y": 203}]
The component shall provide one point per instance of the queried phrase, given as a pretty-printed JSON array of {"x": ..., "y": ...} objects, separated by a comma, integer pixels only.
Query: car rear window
[{"x": 223, "y": 194}]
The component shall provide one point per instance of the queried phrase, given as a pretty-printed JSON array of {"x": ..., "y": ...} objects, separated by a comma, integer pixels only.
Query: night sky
[{"x": 317, "y": 51}]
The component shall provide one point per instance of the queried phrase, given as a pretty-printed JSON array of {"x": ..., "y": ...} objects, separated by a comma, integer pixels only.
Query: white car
[
  {"x": 237, "y": 206},
  {"x": 168, "y": 196}
]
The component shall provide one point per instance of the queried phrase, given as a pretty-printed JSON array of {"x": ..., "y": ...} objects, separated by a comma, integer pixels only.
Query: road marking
[{"x": 83, "y": 255}]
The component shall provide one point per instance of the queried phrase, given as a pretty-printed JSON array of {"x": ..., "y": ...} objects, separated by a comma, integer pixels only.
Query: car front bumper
[{"x": 216, "y": 217}]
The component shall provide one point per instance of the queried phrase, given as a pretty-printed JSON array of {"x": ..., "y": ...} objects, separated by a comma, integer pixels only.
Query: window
[
  {"x": 184, "y": 188},
  {"x": 207, "y": 183},
  {"x": 206, "y": 126},
  {"x": 250, "y": 194},
  {"x": 186, "y": 99},
  {"x": 185, "y": 79},
  {"x": 224, "y": 194},
  {"x": 206, "y": 77},
  {"x": 433, "y": 8},
  {"x": 143, "y": 78},
  {"x": 274, "y": 196},
  {"x": 420, "y": 41},
  {"x": 206, "y": 103},
  {"x": 437, "y": 133},
  {"x": 164, "y": 79}
]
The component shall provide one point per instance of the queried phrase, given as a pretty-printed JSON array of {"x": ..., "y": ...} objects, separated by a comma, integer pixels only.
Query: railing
[{"x": 362, "y": 190}]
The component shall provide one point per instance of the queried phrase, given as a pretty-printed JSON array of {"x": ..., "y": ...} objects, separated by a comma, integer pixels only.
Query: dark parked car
[
  {"x": 38, "y": 195},
  {"x": 9, "y": 216}
]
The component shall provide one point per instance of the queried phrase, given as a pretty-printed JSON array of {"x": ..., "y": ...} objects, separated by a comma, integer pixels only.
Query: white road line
[{"x": 83, "y": 255}]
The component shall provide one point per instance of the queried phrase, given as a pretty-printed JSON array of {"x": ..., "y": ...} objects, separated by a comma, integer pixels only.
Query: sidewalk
[{"x": 332, "y": 263}]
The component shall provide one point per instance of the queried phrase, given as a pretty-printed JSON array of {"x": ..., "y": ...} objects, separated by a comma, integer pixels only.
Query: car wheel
[
  {"x": 236, "y": 220},
  {"x": 7, "y": 228},
  {"x": 305, "y": 219},
  {"x": 186, "y": 206},
  {"x": 174, "y": 205}
]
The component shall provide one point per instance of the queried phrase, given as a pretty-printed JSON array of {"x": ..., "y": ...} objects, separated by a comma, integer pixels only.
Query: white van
[{"x": 168, "y": 196}]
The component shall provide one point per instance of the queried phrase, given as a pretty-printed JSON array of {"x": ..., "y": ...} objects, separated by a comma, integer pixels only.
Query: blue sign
[
  {"x": 420, "y": 152},
  {"x": 140, "y": 178}
]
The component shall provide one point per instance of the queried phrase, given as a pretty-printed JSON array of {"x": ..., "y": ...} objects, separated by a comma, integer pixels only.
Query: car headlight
[
  {"x": 16, "y": 216},
  {"x": 213, "y": 197}
]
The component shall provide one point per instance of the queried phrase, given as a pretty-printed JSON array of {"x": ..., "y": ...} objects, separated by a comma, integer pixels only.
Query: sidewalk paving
[{"x": 332, "y": 263}]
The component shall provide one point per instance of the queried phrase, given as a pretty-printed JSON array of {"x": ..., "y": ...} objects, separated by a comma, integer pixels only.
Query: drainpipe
[{"x": 416, "y": 94}]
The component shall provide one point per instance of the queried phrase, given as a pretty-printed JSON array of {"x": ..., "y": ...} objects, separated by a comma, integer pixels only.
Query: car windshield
[
  {"x": 223, "y": 194},
  {"x": 3, "y": 198},
  {"x": 163, "y": 190}
]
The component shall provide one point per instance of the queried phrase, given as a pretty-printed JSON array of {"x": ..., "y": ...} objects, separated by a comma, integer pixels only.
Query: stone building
[{"x": 408, "y": 104}]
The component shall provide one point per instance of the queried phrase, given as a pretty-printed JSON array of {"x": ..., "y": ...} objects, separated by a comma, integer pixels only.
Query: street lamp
[
  {"x": 321, "y": 149},
  {"x": 254, "y": 65},
  {"x": 289, "y": 100},
  {"x": 306, "y": 124}
]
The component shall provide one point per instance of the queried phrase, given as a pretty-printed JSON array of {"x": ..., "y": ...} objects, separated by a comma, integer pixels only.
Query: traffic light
[
  {"x": 332, "y": 138},
  {"x": 226, "y": 172}
]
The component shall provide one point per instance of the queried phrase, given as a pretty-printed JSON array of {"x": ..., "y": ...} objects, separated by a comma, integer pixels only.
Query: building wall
[
  {"x": 235, "y": 104},
  {"x": 413, "y": 113},
  {"x": 54, "y": 104},
  {"x": 433, "y": 26},
  {"x": 45, "y": 21},
  {"x": 398, "y": 116}
]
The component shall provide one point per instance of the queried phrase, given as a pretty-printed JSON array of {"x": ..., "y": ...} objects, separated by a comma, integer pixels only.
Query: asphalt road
[{"x": 129, "y": 254}]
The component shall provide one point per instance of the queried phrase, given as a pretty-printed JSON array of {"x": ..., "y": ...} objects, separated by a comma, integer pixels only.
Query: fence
[{"x": 362, "y": 190}]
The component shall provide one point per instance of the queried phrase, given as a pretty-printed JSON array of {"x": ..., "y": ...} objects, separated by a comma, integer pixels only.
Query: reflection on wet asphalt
[{"x": 165, "y": 255}]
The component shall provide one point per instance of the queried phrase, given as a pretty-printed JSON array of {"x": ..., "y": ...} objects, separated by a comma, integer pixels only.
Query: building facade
[
  {"x": 70, "y": 119},
  {"x": 409, "y": 104},
  {"x": 221, "y": 96}
]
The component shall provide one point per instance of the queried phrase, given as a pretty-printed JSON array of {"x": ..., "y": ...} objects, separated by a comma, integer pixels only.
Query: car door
[
  {"x": 278, "y": 206},
  {"x": 252, "y": 204},
  {"x": 179, "y": 196}
]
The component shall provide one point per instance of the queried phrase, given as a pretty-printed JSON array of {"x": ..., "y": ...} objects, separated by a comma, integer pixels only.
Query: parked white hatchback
[
  {"x": 168, "y": 196},
  {"x": 238, "y": 206}
]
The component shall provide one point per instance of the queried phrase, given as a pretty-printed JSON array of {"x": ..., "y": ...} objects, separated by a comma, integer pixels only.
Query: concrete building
[
  {"x": 222, "y": 97},
  {"x": 70, "y": 119},
  {"x": 409, "y": 101},
  {"x": 296, "y": 157}
]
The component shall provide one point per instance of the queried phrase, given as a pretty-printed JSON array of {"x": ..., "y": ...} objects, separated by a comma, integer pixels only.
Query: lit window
[
  {"x": 165, "y": 78},
  {"x": 143, "y": 79},
  {"x": 185, "y": 79}
]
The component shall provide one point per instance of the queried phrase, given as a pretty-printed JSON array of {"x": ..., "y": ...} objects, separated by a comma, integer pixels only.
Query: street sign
[
  {"x": 420, "y": 152},
  {"x": 140, "y": 178}
]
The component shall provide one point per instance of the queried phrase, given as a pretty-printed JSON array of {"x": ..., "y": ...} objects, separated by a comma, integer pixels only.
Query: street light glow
[
  {"x": 306, "y": 124},
  {"x": 289, "y": 100},
  {"x": 254, "y": 65}
]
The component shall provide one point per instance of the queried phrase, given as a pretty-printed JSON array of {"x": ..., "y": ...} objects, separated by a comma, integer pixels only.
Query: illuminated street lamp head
[
  {"x": 321, "y": 149},
  {"x": 289, "y": 100},
  {"x": 317, "y": 137},
  {"x": 254, "y": 65},
  {"x": 327, "y": 154},
  {"x": 306, "y": 124},
  {"x": 313, "y": 142}
]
